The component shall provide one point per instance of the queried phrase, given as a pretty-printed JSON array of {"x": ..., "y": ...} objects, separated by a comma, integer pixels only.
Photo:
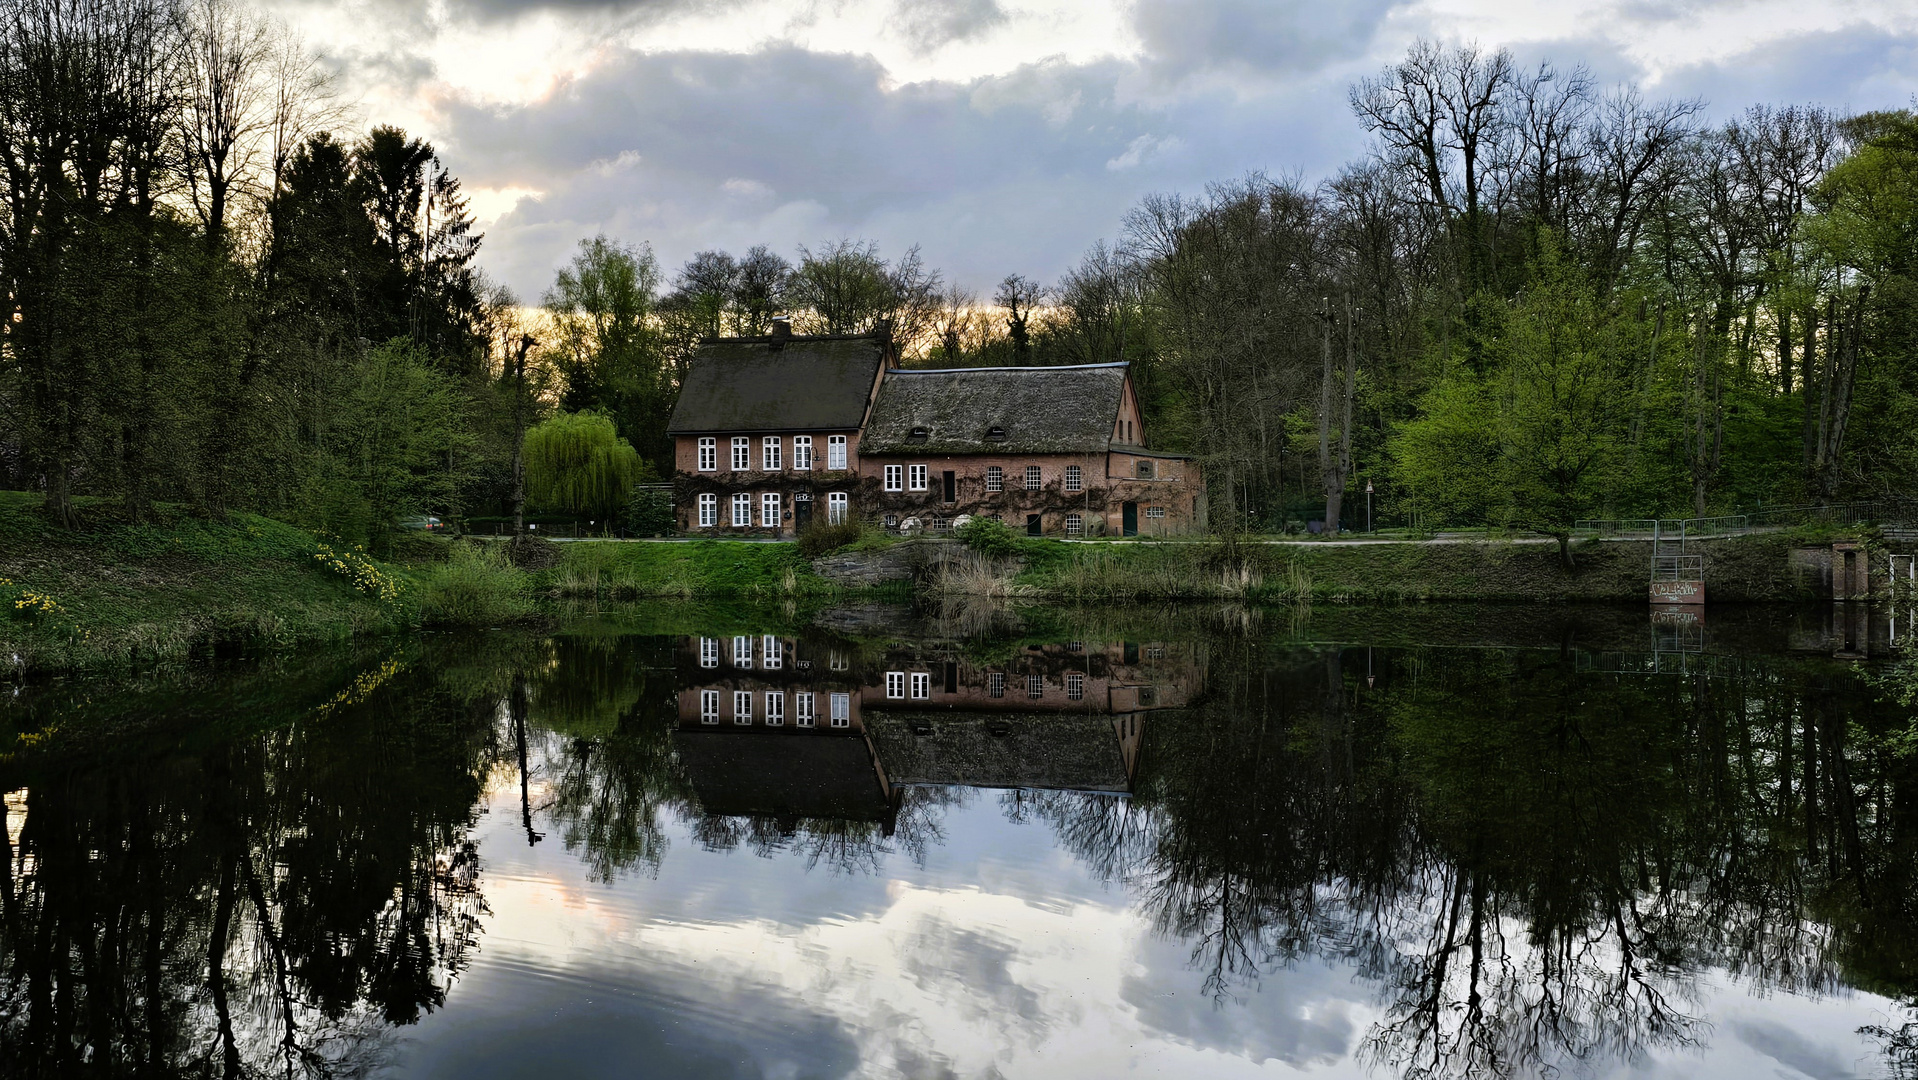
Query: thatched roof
[
  {"x": 778, "y": 384},
  {"x": 1029, "y": 410},
  {"x": 1066, "y": 751},
  {"x": 788, "y": 774}
]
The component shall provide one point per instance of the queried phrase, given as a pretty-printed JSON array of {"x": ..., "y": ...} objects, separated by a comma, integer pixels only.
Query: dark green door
[
  {"x": 802, "y": 515},
  {"x": 1131, "y": 519},
  {"x": 1032, "y": 525}
]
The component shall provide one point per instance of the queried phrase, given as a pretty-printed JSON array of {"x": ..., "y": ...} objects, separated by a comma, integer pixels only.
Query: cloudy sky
[{"x": 1000, "y": 135}]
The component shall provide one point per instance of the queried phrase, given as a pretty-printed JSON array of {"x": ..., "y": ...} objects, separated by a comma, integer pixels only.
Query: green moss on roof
[
  {"x": 760, "y": 384},
  {"x": 1044, "y": 410}
]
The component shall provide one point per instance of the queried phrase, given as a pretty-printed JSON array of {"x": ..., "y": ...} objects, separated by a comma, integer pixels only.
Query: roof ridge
[{"x": 1020, "y": 367}]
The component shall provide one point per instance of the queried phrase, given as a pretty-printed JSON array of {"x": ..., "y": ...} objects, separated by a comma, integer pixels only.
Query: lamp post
[{"x": 1368, "y": 504}]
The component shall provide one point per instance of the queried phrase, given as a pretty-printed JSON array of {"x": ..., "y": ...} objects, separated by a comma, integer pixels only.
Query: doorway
[
  {"x": 1130, "y": 521},
  {"x": 1032, "y": 525},
  {"x": 802, "y": 515},
  {"x": 951, "y": 487}
]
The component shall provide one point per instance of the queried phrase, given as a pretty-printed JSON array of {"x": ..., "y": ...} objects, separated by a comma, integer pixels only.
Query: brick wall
[{"x": 1099, "y": 502}]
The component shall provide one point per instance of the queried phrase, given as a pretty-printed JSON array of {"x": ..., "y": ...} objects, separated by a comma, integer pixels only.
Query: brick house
[
  {"x": 766, "y": 431},
  {"x": 1050, "y": 450}
]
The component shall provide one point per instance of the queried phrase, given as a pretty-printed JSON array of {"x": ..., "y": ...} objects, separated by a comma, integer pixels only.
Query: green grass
[{"x": 702, "y": 568}]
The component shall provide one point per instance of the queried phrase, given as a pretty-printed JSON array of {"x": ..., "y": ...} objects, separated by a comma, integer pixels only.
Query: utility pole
[{"x": 519, "y": 435}]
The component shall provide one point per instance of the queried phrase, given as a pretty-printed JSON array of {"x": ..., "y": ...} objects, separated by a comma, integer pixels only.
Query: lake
[{"x": 720, "y": 841}]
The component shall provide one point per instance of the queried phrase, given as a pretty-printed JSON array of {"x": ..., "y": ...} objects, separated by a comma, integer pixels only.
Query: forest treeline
[{"x": 1534, "y": 300}]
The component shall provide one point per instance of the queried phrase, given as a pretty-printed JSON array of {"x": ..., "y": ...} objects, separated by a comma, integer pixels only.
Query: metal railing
[
  {"x": 1678, "y": 568},
  {"x": 1769, "y": 518}
]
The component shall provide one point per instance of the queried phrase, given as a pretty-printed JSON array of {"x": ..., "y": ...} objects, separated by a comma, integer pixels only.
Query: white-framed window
[
  {"x": 895, "y": 478},
  {"x": 995, "y": 478},
  {"x": 1075, "y": 478},
  {"x": 838, "y": 661},
  {"x": 921, "y": 686},
  {"x": 771, "y": 656},
  {"x": 1032, "y": 478},
  {"x": 709, "y": 706},
  {"x": 708, "y": 454},
  {"x": 742, "y": 453},
  {"x": 1155, "y": 511},
  {"x": 1075, "y": 525},
  {"x": 835, "y": 507},
  {"x": 841, "y": 710},
  {"x": 742, "y": 651},
  {"x": 835, "y": 451},
  {"x": 771, "y": 456},
  {"x": 915, "y": 478},
  {"x": 742, "y": 510},
  {"x": 742, "y": 706},
  {"x": 996, "y": 684},
  {"x": 1075, "y": 685},
  {"x": 896, "y": 685},
  {"x": 775, "y": 708},
  {"x": 709, "y": 652},
  {"x": 769, "y": 510},
  {"x": 708, "y": 511},
  {"x": 802, "y": 453},
  {"x": 803, "y": 713},
  {"x": 1035, "y": 686}
]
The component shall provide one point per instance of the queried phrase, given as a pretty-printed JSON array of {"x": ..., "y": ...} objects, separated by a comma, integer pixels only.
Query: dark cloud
[
  {"x": 1856, "y": 68},
  {"x": 930, "y": 24},
  {"x": 1280, "y": 37}
]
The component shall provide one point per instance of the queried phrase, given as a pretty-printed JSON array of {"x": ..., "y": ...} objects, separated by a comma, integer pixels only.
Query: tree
[
  {"x": 577, "y": 463},
  {"x": 606, "y": 346},
  {"x": 1019, "y": 296}
]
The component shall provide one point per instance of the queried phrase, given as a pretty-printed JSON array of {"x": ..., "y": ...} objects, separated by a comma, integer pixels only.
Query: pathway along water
[{"x": 998, "y": 844}]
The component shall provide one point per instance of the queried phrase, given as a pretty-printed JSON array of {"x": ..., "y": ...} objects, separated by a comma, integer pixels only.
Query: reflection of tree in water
[
  {"x": 1532, "y": 864},
  {"x": 839, "y": 845},
  {"x": 270, "y": 903}
]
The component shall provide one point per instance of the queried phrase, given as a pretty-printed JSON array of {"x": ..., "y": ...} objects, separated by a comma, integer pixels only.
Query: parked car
[{"x": 421, "y": 523}]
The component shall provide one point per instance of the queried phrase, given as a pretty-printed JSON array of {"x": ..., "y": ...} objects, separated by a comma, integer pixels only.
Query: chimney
[{"x": 782, "y": 328}]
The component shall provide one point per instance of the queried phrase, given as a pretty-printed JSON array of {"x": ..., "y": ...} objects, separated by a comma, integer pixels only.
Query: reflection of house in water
[{"x": 801, "y": 727}]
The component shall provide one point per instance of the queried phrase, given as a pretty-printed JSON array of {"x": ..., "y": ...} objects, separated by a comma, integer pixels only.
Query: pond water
[{"x": 687, "y": 842}]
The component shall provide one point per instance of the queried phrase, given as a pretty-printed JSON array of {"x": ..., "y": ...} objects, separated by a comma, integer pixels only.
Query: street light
[{"x": 1368, "y": 504}]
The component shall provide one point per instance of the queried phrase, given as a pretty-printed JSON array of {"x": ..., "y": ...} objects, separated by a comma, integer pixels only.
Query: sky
[{"x": 1001, "y": 136}]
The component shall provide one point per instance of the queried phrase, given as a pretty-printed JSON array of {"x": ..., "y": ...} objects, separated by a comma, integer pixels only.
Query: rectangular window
[
  {"x": 916, "y": 478},
  {"x": 921, "y": 686},
  {"x": 841, "y": 710},
  {"x": 771, "y": 655},
  {"x": 1075, "y": 525},
  {"x": 1155, "y": 511},
  {"x": 802, "y": 453},
  {"x": 742, "y": 511},
  {"x": 896, "y": 685},
  {"x": 995, "y": 478},
  {"x": 835, "y": 507},
  {"x": 803, "y": 708},
  {"x": 775, "y": 708},
  {"x": 835, "y": 451},
  {"x": 742, "y": 651},
  {"x": 1032, "y": 478},
  {"x": 709, "y": 706},
  {"x": 996, "y": 684},
  {"x": 769, "y": 510},
  {"x": 708, "y": 455},
  {"x": 1075, "y": 478},
  {"x": 742, "y": 706},
  {"x": 771, "y": 458},
  {"x": 708, "y": 511},
  {"x": 709, "y": 652},
  {"x": 742, "y": 453},
  {"x": 895, "y": 478},
  {"x": 1075, "y": 686},
  {"x": 1035, "y": 686}
]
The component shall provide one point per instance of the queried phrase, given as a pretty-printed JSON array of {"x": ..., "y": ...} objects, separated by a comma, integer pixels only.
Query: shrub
[
  {"x": 989, "y": 537},
  {"x": 475, "y": 586},
  {"x": 648, "y": 513},
  {"x": 820, "y": 538}
]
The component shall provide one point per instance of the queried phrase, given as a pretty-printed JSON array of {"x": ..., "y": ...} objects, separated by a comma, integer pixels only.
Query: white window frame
[
  {"x": 708, "y": 511},
  {"x": 995, "y": 478},
  {"x": 895, "y": 478},
  {"x": 915, "y": 478},
  {"x": 743, "y": 651},
  {"x": 742, "y": 453},
  {"x": 921, "y": 686},
  {"x": 1035, "y": 686},
  {"x": 709, "y": 706},
  {"x": 771, "y": 455},
  {"x": 1075, "y": 686},
  {"x": 769, "y": 510},
  {"x": 771, "y": 656},
  {"x": 742, "y": 707},
  {"x": 836, "y": 452},
  {"x": 775, "y": 708},
  {"x": 996, "y": 684},
  {"x": 1075, "y": 525},
  {"x": 709, "y": 652},
  {"x": 742, "y": 511},
  {"x": 1034, "y": 479},
  {"x": 1075, "y": 478},
  {"x": 802, "y": 453},
  {"x": 708, "y": 454},
  {"x": 836, "y": 503},
  {"x": 841, "y": 710},
  {"x": 1155, "y": 511},
  {"x": 804, "y": 708},
  {"x": 895, "y": 686}
]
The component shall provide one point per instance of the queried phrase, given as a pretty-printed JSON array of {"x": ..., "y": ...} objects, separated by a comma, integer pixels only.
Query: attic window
[
  {"x": 918, "y": 434},
  {"x": 996, "y": 433}
]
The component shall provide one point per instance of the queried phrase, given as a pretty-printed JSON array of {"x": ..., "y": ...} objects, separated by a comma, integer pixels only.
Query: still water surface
[{"x": 1174, "y": 843}]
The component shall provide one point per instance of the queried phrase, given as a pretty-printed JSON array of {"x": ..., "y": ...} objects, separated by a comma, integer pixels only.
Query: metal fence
[{"x": 1776, "y": 517}]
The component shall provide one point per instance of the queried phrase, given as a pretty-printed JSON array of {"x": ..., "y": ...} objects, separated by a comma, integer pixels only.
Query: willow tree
[{"x": 577, "y": 463}]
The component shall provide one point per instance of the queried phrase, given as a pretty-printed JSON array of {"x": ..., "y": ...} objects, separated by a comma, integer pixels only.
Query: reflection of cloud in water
[
  {"x": 1792, "y": 1049},
  {"x": 976, "y": 969}
]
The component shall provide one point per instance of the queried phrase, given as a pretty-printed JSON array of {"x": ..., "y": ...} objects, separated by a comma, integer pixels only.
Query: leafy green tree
[
  {"x": 607, "y": 346},
  {"x": 576, "y": 462}
]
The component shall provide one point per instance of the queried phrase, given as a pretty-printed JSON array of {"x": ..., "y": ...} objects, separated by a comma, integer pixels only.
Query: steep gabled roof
[
  {"x": 1059, "y": 751},
  {"x": 778, "y": 384},
  {"x": 782, "y": 774},
  {"x": 1024, "y": 410}
]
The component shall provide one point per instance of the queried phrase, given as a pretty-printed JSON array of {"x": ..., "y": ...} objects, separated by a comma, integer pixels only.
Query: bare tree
[{"x": 1019, "y": 296}]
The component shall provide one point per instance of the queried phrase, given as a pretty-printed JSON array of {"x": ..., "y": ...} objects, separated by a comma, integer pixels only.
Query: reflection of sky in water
[{"x": 1001, "y": 956}]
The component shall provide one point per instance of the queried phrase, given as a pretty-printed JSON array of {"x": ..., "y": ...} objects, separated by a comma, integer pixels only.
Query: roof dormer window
[
  {"x": 996, "y": 433},
  {"x": 919, "y": 434}
]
